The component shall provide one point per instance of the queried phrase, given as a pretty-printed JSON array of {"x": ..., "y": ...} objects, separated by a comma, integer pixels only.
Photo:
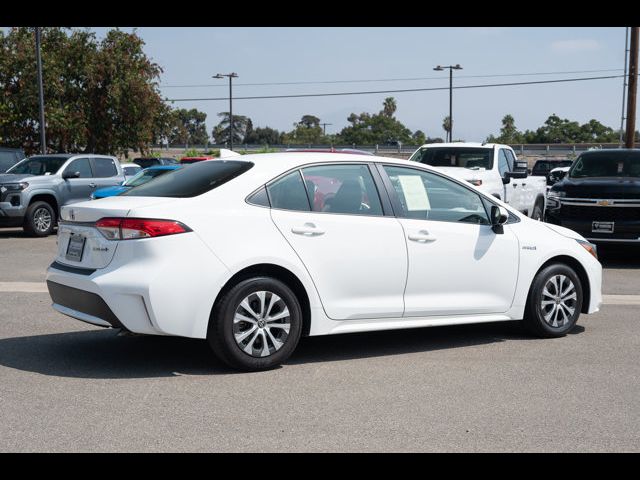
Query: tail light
[{"x": 132, "y": 228}]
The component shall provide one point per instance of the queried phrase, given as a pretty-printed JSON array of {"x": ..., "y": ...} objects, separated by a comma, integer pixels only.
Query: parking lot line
[{"x": 41, "y": 287}]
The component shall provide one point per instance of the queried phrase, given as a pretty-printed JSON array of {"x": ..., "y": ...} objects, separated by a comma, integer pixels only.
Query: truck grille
[{"x": 594, "y": 213}]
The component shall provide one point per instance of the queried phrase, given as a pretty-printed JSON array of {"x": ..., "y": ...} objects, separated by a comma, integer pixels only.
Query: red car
[{"x": 185, "y": 160}]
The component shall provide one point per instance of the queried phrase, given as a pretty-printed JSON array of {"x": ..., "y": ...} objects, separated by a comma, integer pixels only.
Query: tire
[
  {"x": 39, "y": 220},
  {"x": 542, "y": 320},
  {"x": 537, "y": 213},
  {"x": 234, "y": 344}
]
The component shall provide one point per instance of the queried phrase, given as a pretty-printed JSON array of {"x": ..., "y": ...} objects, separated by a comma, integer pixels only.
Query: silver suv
[{"x": 33, "y": 190}]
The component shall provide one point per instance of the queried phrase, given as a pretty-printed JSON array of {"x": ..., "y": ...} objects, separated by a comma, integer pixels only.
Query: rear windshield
[
  {"x": 607, "y": 164},
  {"x": 468, "y": 157},
  {"x": 147, "y": 162},
  {"x": 193, "y": 181}
]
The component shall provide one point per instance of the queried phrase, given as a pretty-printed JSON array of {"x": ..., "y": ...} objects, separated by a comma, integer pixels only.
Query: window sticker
[{"x": 414, "y": 192}]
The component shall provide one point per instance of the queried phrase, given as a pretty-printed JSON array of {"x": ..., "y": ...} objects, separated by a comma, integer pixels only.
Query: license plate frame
[
  {"x": 602, "y": 227},
  {"x": 75, "y": 247}
]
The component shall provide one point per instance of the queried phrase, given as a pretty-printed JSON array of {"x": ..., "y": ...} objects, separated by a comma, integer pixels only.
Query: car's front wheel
[
  {"x": 40, "y": 219},
  {"x": 554, "y": 302},
  {"x": 256, "y": 325}
]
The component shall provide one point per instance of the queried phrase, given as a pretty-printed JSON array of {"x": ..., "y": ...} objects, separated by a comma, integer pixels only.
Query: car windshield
[
  {"x": 467, "y": 157},
  {"x": 607, "y": 164},
  {"x": 38, "y": 166},
  {"x": 131, "y": 169},
  {"x": 144, "y": 176},
  {"x": 193, "y": 181}
]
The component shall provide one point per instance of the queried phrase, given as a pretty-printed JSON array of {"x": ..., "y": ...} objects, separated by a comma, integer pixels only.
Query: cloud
[{"x": 575, "y": 46}]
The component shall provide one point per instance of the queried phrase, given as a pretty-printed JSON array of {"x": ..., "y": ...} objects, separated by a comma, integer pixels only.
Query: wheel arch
[
  {"x": 49, "y": 198},
  {"x": 580, "y": 271},
  {"x": 280, "y": 273}
]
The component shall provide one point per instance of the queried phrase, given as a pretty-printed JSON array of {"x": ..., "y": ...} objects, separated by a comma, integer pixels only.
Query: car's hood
[
  {"x": 600, "y": 187},
  {"x": 110, "y": 191},
  {"x": 14, "y": 177},
  {"x": 565, "y": 232}
]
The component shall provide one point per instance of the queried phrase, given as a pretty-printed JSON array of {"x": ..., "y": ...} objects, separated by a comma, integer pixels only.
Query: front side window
[
  {"x": 503, "y": 163},
  {"x": 80, "y": 165},
  {"x": 347, "y": 189},
  {"x": 288, "y": 193},
  {"x": 427, "y": 196},
  {"x": 104, "y": 167}
]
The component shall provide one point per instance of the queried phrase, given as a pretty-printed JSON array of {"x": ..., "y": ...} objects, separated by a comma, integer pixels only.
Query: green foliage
[
  {"x": 222, "y": 132},
  {"x": 380, "y": 128},
  {"x": 99, "y": 96},
  {"x": 187, "y": 127},
  {"x": 191, "y": 152},
  {"x": 305, "y": 132},
  {"x": 263, "y": 136},
  {"x": 214, "y": 152}
]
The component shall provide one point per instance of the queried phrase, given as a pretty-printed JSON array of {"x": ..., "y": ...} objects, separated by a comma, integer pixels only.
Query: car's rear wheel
[
  {"x": 555, "y": 301},
  {"x": 40, "y": 219},
  {"x": 256, "y": 325}
]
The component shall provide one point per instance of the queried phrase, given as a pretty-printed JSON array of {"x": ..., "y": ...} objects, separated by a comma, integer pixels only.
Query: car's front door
[
  {"x": 333, "y": 218},
  {"x": 80, "y": 187},
  {"x": 457, "y": 264}
]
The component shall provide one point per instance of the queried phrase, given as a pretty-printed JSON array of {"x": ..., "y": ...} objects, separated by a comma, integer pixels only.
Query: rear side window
[
  {"x": 289, "y": 193},
  {"x": 189, "y": 182},
  {"x": 104, "y": 167}
]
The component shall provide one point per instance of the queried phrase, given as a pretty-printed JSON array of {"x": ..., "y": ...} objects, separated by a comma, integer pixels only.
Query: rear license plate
[
  {"x": 602, "y": 227},
  {"x": 75, "y": 247}
]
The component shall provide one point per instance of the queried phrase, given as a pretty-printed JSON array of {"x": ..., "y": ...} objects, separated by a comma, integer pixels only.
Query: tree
[
  {"x": 188, "y": 127},
  {"x": 389, "y": 107},
  {"x": 306, "y": 131},
  {"x": 446, "y": 125},
  {"x": 419, "y": 138},
  {"x": 222, "y": 132},
  {"x": 263, "y": 136}
]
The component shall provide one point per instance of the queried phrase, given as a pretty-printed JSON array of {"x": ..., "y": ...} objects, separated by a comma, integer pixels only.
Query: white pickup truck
[{"x": 491, "y": 167}]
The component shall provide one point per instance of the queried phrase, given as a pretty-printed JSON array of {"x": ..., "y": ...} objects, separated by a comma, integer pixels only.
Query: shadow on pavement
[
  {"x": 619, "y": 256},
  {"x": 103, "y": 355}
]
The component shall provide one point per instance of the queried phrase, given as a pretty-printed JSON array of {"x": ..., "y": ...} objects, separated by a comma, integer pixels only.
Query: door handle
[
  {"x": 92, "y": 185},
  {"x": 514, "y": 185},
  {"x": 308, "y": 230},
  {"x": 524, "y": 184},
  {"x": 422, "y": 236}
]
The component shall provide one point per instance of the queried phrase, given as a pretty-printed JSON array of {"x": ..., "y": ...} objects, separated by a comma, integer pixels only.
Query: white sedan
[{"x": 252, "y": 253}]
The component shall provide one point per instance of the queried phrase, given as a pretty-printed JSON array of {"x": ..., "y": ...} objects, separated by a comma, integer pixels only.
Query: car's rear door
[
  {"x": 105, "y": 172},
  {"x": 333, "y": 217}
]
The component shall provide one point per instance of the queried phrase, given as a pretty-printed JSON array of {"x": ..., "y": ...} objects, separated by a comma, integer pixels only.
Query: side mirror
[
  {"x": 499, "y": 216},
  {"x": 517, "y": 174},
  {"x": 66, "y": 175}
]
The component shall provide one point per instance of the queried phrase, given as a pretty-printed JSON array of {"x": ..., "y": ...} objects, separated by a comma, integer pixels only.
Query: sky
[{"x": 191, "y": 56}]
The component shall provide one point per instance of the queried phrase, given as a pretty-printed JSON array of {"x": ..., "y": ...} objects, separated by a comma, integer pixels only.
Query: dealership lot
[{"x": 67, "y": 386}]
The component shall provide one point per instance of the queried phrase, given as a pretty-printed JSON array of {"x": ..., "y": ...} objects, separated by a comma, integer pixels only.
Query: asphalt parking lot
[{"x": 66, "y": 386}]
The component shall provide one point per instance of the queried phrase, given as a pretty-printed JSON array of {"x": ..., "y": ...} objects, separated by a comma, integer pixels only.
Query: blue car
[{"x": 142, "y": 177}]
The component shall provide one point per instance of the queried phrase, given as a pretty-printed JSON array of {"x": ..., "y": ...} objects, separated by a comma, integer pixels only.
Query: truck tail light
[{"x": 132, "y": 228}]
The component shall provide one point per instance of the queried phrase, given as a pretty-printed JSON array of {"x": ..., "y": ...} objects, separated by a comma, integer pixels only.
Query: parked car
[
  {"x": 236, "y": 252},
  {"x": 141, "y": 178},
  {"x": 555, "y": 175},
  {"x": 33, "y": 190},
  {"x": 600, "y": 197},
  {"x": 491, "y": 167},
  {"x": 9, "y": 157},
  {"x": 332, "y": 150},
  {"x": 130, "y": 170},
  {"x": 542, "y": 167},
  {"x": 189, "y": 160},
  {"x": 146, "y": 162}
]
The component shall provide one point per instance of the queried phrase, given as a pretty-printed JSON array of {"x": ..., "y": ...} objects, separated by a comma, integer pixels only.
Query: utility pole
[
  {"x": 624, "y": 84},
  {"x": 43, "y": 140},
  {"x": 324, "y": 127},
  {"x": 231, "y": 76},
  {"x": 633, "y": 88},
  {"x": 451, "y": 69}
]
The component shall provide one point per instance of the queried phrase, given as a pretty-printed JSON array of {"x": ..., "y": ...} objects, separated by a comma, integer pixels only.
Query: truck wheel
[
  {"x": 537, "y": 213},
  {"x": 39, "y": 220}
]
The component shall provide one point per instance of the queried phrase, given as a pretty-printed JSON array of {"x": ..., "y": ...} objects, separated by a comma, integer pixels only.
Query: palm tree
[
  {"x": 389, "y": 107},
  {"x": 446, "y": 125}
]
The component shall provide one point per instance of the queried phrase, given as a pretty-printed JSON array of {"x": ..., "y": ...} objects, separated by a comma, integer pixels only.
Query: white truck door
[{"x": 513, "y": 190}]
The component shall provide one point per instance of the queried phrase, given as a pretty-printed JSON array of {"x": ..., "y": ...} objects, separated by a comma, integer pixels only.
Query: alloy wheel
[
  {"x": 42, "y": 219},
  {"x": 558, "y": 302}
]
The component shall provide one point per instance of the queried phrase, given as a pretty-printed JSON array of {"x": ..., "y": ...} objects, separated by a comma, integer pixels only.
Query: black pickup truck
[{"x": 599, "y": 197}]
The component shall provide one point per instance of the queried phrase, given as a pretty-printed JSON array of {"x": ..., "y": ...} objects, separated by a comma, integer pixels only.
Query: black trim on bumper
[
  {"x": 70, "y": 269},
  {"x": 83, "y": 302}
]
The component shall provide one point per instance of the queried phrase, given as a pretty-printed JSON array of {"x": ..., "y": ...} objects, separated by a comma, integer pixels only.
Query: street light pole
[
  {"x": 451, "y": 69},
  {"x": 43, "y": 140},
  {"x": 231, "y": 76}
]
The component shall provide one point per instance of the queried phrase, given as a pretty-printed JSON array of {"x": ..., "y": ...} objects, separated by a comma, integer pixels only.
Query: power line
[
  {"x": 391, "y": 91},
  {"x": 408, "y": 79}
]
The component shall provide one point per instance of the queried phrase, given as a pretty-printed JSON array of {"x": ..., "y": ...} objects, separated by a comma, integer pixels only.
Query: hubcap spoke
[{"x": 558, "y": 301}]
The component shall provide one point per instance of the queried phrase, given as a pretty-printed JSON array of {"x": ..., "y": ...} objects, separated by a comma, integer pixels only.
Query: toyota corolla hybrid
[{"x": 252, "y": 253}]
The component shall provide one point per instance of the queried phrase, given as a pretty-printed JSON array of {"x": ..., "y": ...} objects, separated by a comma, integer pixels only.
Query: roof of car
[
  {"x": 463, "y": 144},
  {"x": 164, "y": 167}
]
